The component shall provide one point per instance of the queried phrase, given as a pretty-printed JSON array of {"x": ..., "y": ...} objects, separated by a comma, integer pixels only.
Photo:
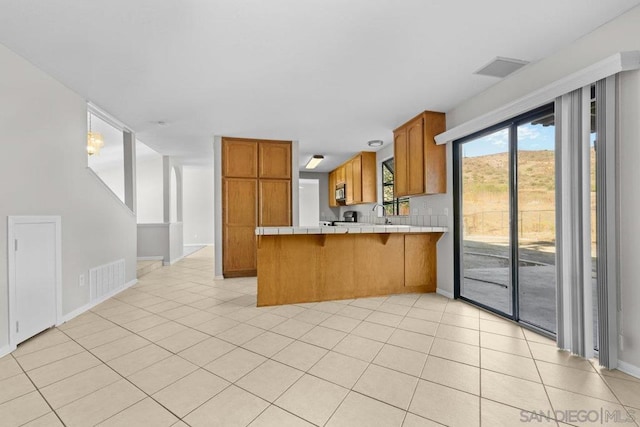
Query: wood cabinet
[
  {"x": 420, "y": 164},
  {"x": 359, "y": 177},
  {"x": 256, "y": 191}
]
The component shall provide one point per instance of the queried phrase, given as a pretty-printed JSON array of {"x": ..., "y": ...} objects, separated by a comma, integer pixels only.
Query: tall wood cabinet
[
  {"x": 359, "y": 177},
  {"x": 256, "y": 192},
  {"x": 420, "y": 164}
]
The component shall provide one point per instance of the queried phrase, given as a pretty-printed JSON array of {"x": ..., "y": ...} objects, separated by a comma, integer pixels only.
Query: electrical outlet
[{"x": 81, "y": 280}]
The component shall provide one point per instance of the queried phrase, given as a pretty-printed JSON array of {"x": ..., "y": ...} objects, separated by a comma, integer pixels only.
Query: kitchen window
[{"x": 392, "y": 206}]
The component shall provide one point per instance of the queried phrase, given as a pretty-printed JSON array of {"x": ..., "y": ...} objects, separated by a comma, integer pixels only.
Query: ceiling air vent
[{"x": 501, "y": 67}]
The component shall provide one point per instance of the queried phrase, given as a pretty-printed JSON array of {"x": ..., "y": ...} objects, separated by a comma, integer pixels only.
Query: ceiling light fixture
[
  {"x": 314, "y": 161},
  {"x": 375, "y": 143},
  {"x": 94, "y": 141}
]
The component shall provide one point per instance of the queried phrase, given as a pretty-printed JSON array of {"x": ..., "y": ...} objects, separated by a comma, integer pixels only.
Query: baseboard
[
  {"x": 218, "y": 278},
  {"x": 198, "y": 244},
  {"x": 89, "y": 306},
  {"x": 173, "y": 261},
  {"x": 628, "y": 368},
  {"x": 150, "y": 258},
  {"x": 7, "y": 349},
  {"x": 444, "y": 293}
]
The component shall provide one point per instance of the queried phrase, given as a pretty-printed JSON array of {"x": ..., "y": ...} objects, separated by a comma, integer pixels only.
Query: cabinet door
[
  {"x": 340, "y": 175},
  {"x": 356, "y": 178},
  {"x": 275, "y": 160},
  {"x": 274, "y": 203},
  {"x": 332, "y": 189},
  {"x": 400, "y": 163},
  {"x": 369, "y": 177},
  {"x": 420, "y": 260},
  {"x": 239, "y": 158},
  {"x": 239, "y": 224},
  {"x": 348, "y": 182},
  {"x": 415, "y": 157}
]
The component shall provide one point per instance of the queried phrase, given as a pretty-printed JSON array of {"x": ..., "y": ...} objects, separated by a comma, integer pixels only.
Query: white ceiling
[{"x": 332, "y": 74}]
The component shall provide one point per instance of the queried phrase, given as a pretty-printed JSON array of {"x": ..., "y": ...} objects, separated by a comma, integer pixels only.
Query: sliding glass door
[{"x": 505, "y": 188}]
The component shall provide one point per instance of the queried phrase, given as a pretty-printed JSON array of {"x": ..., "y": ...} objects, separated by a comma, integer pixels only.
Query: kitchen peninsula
[{"x": 309, "y": 264}]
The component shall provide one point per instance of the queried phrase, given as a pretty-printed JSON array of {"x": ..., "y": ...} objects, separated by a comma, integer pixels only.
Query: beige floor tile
[
  {"x": 612, "y": 373},
  {"x": 119, "y": 347},
  {"x": 245, "y": 314},
  {"x": 418, "y": 325},
  {"x": 235, "y": 364},
  {"x": 216, "y": 325},
  {"x": 358, "y": 410},
  {"x": 368, "y": 303},
  {"x": 88, "y": 329},
  {"x": 312, "y": 316},
  {"x": 501, "y": 327},
  {"x": 287, "y": 311},
  {"x": 373, "y": 331},
  {"x": 138, "y": 359},
  {"x": 444, "y": 405},
  {"x": 48, "y": 355},
  {"x": 146, "y": 412},
  {"x": 72, "y": 388},
  {"x": 292, "y": 328},
  {"x": 161, "y": 374},
  {"x": 420, "y": 313},
  {"x": 575, "y": 380},
  {"x": 312, "y": 399},
  {"x": 240, "y": 334},
  {"x": 56, "y": 371},
  {"x": 566, "y": 402},
  {"x": 103, "y": 337},
  {"x": 427, "y": 302},
  {"x": 403, "y": 299},
  {"x": 269, "y": 380},
  {"x": 339, "y": 369},
  {"x": 267, "y": 344},
  {"x": 401, "y": 359},
  {"x": 392, "y": 308},
  {"x": 628, "y": 392},
  {"x": 84, "y": 318},
  {"x": 23, "y": 409},
  {"x": 15, "y": 386},
  {"x": 549, "y": 353},
  {"x": 523, "y": 394},
  {"x": 340, "y": 323},
  {"x": 162, "y": 331},
  {"x": 389, "y": 386},
  {"x": 182, "y": 340},
  {"x": 509, "y": 364},
  {"x": 323, "y": 337},
  {"x": 456, "y": 351},
  {"x": 230, "y": 408},
  {"x": 532, "y": 336},
  {"x": 455, "y": 333},
  {"x": 101, "y": 405},
  {"x": 45, "y": 339},
  {"x": 206, "y": 351},
  {"x": 386, "y": 319},
  {"x": 300, "y": 355},
  {"x": 179, "y": 312},
  {"x": 462, "y": 308},
  {"x": 144, "y": 323},
  {"x": 276, "y": 417},
  {"x": 412, "y": 420},
  {"x": 331, "y": 307},
  {"x": 460, "y": 321},
  {"x": 158, "y": 305},
  {"x": 359, "y": 347},
  {"x": 452, "y": 374},
  {"x": 499, "y": 415},
  {"x": 411, "y": 340},
  {"x": 357, "y": 313},
  {"x": 266, "y": 321},
  {"x": 505, "y": 344},
  {"x": 196, "y": 318},
  {"x": 47, "y": 420},
  {"x": 9, "y": 367},
  {"x": 189, "y": 392},
  {"x": 130, "y": 316}
]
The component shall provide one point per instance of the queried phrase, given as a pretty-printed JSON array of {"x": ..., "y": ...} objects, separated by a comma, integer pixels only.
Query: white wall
[
  {"x": 43, "y": 170},
  {"x": 621, "y": 34},
  {"x": 197, "y": 220},
  {"x": 149, "y": 208}
]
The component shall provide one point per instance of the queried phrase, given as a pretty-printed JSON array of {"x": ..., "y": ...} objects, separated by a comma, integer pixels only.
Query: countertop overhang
[{"x": 360, "y": 229}]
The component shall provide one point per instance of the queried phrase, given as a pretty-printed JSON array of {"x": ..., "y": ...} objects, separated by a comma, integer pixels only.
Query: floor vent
[{"x": 106, "y": 279}]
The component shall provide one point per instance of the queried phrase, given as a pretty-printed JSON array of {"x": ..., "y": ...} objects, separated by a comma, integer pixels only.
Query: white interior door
[
  {"x": 309, "y": 202},
  {"x": 34, "y": 271}
]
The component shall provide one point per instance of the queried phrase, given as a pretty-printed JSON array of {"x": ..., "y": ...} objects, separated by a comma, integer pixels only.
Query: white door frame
[{"x": 11, "y": 223}]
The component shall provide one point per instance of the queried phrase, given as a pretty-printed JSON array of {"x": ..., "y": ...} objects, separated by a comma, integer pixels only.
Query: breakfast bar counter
[{"x": 309, "y": 264}]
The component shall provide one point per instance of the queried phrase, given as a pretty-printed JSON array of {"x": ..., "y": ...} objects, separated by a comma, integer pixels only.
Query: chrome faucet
[{"x": 376, "y": 206}]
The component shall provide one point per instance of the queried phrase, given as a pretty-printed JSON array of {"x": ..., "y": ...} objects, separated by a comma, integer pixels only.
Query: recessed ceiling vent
[{"x": 501, "y": 67}]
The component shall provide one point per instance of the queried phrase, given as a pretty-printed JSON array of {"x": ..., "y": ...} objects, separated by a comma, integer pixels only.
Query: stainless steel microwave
[{"x": 341, "y": 193}]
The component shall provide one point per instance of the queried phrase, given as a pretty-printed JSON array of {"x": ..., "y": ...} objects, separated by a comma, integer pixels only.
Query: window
[{"x": 392, "y": 206}]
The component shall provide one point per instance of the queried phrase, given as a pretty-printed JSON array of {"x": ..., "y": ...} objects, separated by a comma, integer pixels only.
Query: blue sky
[{"x": 530, "y": 137}]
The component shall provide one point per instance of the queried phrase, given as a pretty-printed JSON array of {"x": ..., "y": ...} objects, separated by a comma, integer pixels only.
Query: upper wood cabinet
[
  {"x": 239, "y": 158},
  {"x": 340, "y": 175},
  {"x": 275, "y": 160},
  {"x": 332, "y": 189},
  {"x": 420, "y": 164},
  {"x": 359, "y": 177}
]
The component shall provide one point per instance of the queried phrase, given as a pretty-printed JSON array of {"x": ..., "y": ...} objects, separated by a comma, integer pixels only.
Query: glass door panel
[
  {"x": 536, "y": 219},
  {"x": 485, "y": 213}
]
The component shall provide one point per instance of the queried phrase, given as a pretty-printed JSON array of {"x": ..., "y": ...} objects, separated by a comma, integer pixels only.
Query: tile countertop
[{"x": 272, "y": 231}]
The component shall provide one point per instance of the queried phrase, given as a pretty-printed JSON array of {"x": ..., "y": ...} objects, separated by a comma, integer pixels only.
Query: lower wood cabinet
[
  {"x": 274, "y": 202},
  {"x": 239, "y": 205}
]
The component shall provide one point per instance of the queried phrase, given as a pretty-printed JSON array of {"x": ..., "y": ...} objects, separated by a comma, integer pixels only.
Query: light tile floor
[{"x": 179, "y": 348}]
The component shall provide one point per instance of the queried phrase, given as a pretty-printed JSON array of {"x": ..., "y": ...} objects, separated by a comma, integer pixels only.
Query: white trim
[
  {"x": 628, "y": 368},
  {"x": 444, "y": 293},
  {"x": 218, "y": 277},
  {"x": 99, "y": 112},
  {"x": 90, "y": 305},
  {"x": 110, "y": 191},
  {"x": 622, "y": 61},
  {"x": 173, "y": 261},
  {"x": 11, "y": 222},
  {"x": 150, "y": 258},
  {"x": 7, "y": 349},
  {"x": 198, "y": 244}
]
